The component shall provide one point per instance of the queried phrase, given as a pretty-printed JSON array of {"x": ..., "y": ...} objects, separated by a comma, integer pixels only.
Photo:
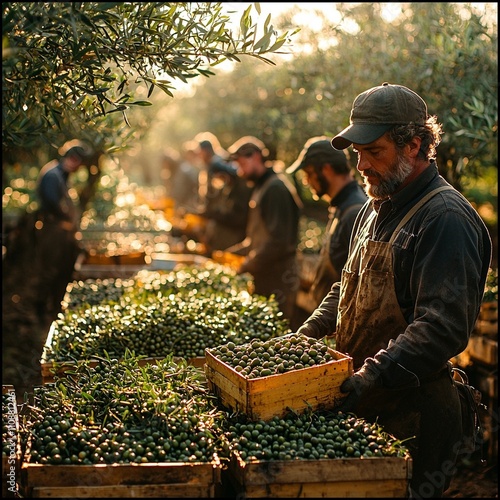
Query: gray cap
[
  {"x": 245, "y": 146},
  {"x": 318, "y": 150},
  {"x": 377, "y": 110},
  {"x": 75, "y": 147}
]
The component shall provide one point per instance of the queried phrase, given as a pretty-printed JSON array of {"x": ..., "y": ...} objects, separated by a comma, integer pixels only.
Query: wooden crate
[
  {"x": 377, "y": 477},
  {"x": 489, "y": 311},
  {"x": 51, "y": 368},
  {"x": 169, "y": 261},
  {"x": 315, "y": 387},
  {"x": 487, "y": 321},
  {"x": 93, "y": 271},
  {"x": 483, "y": 349},
  {"x": 11, "y": 463},
  {"x": 130, "y": 259},
  {"x": 160, "y": 480},
  {"x": 229, "y": 259}
]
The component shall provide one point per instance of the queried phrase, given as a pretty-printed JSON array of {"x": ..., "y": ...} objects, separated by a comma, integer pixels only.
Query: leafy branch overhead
[{"x": 82, "y": 60}]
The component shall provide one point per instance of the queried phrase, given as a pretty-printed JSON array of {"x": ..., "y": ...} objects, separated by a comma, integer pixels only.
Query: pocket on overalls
[
  {"x": 349, "y": 283},
  {"x": 372, "y": 287}
]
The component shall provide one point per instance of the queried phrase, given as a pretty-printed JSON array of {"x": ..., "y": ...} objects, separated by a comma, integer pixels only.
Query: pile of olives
[
  {"x": 120, "y": 412},
  {"x": 311, "y": 435},
  {"x": 260, "y": 358},
  {"x": 160, "y": 318},
  {"x": 95, "y": 291}
]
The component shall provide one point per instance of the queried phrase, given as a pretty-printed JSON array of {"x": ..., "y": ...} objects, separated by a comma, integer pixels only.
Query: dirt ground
[{"x": 474, "y": 481}]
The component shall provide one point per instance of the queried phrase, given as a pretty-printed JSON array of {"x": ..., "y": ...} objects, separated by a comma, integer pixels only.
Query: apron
[
  {"x": 369, "y": 316},
  {"x": 325, "y": 274}
]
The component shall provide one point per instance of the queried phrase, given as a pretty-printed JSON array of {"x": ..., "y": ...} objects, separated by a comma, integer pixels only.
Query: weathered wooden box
[
  {"x": 11, "y": 463},
  {"x": 315, "y": 387},
  {"x": 51, "y": 368},
  {"x": 487, "y": 321},
  {"x": 377, "y": 477},
  {"x": 155, "y": 480},
  {"x": 483, "y": 349}
]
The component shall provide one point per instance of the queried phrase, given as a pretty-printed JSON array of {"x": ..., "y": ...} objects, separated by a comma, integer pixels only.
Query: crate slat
[
  {"x": 383, "y": 477},
  {"x": 135, "y": 491},
  {"x": 120, "y": 480}
]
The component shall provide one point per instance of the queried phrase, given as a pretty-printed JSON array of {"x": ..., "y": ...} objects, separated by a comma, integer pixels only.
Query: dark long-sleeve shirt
[
  {"x": 52, "y": 192},
  {"x": 441, "y": 259}
]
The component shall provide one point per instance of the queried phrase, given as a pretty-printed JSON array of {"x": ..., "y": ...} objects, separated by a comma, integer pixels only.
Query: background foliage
[
  {"x": 72, "y": 68},
  {"x": 84, "y": 66}
]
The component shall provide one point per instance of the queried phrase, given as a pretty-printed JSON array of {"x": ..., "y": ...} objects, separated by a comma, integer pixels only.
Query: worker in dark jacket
[
  {"x": 271, "y": 238},
  {"x": 329, "y": 176},
  {"x": 412, "y": 286},
  {"x": 56, "y": 245},
  {"x": 224, "y": 196}
]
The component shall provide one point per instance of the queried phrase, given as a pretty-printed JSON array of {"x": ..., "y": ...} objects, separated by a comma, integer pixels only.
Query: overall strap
[{"x": 415, "y": 208}]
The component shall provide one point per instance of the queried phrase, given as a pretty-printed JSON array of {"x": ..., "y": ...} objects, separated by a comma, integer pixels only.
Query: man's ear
[{"x": 413, "y": 147}]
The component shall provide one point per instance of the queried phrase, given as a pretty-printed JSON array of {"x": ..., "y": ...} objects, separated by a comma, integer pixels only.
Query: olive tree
[
  {"x": 70, "y": 68},
  {"x": 446, "y": 52}
]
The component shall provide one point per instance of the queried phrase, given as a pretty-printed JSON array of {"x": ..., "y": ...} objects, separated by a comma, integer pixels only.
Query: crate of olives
[
  {"x": 263, "y": 379},
  {"x": 11, "y": 444},
  {"x": 123, "y": 430},
  {"x": 315, "y": 455}
]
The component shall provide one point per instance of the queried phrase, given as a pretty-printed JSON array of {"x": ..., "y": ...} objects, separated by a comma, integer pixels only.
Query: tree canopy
[
  {"x": 445, "y": 52},
  {"x": 70, "y": 68}
]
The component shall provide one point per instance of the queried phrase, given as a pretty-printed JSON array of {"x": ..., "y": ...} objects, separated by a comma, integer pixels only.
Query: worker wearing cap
[
  {"x": 58, "y": 221},
  {"x": 412, "y": 285},
  {"x": 329, "y": 176},
  {"x": 270, "y": 245}
]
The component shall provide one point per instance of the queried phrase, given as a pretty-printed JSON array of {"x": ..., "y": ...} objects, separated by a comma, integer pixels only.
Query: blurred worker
[
  {"x": 329, "y": 176},
  {"x": 58, "y": 220},
  {"x": 224, "y": 197},
  {"x": 180, "y": 178},
  {"x": 270, "y": 245},
  {"x": 213, "y": 159},
  {"x": 412, "y": 285},
  {"x": 227, "y": 213}
]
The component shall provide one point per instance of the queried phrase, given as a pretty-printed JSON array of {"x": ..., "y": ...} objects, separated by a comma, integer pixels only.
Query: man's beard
[
  {"x": 394, "y": 178},
  {"x": 323, "y": 187}
]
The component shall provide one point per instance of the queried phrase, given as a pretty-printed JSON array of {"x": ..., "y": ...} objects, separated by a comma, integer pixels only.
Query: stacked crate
[{"x": 309, "y": 389}]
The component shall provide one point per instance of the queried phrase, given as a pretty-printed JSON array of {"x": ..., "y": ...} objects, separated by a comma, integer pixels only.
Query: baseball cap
[
  {"x": 247, "y": 145},
  {"x": 77, "y": 148},
  {"x": 318, "y": 150},
  {"x": 377, "y": 110}
]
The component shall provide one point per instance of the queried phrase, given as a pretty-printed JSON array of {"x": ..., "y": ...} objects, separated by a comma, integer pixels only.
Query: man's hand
[{"x": 357, "y": 385}]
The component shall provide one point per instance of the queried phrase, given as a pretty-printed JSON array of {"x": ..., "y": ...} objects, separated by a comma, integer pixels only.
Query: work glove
[
  {"x": 379, "y": 371},
  {"x": 367, "y": 377}
]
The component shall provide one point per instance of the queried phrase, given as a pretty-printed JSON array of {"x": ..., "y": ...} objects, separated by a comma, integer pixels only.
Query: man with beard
[
  {"x": 412, "y": 285},
  {"x": 270, "y": 244},
  {"x": 329, "y": 176}
]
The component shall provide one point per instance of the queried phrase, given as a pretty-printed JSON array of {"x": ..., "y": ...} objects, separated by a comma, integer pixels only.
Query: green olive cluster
[
  {"x": 96, "y": 291},
  {"x": 209, "y": 278},
  {"x": 491, "y": 287},
  {"x": 312, "y": 435},
  {"x": 277, "y": 355},
  {"x": 119, "y": 412},
  {"x": 183, "y": 324}
]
